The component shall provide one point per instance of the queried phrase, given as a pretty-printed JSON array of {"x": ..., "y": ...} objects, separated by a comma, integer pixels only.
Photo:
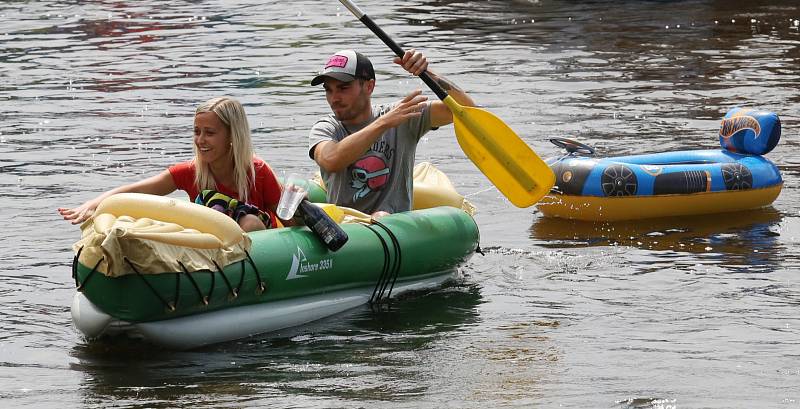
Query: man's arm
[
  {"x": 414, "y": 62},
  {"x": 334, "y": 156},
  {"x": 440, "y": 113}
]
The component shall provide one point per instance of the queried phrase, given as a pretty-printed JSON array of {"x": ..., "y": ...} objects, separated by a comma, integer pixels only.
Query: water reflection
[
  {"x": 362, "y": 355},
  {"x": 747, "y": 238}
]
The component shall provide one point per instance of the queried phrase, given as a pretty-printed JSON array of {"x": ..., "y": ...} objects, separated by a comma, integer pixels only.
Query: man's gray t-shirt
[{"x": 382, "y": 178}]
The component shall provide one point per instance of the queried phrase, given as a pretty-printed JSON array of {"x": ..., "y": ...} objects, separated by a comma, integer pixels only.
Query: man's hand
[
  {"x": 412, "y": 61},
  {"x": 409, "y": 107}
]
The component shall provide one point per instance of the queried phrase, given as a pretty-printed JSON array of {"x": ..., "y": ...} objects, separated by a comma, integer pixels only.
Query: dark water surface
[{"x": 693, "y": 313}]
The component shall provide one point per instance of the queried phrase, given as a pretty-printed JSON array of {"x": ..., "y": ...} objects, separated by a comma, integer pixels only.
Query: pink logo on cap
[{"x": 338, "y": 61}]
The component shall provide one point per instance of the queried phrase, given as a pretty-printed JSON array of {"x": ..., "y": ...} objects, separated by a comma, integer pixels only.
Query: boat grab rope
[
  {"x": 75, "y": 266},
  {"x": 385, "y": 268},
  {"x": 78, "y": 284},
  {"x": 172, "y": 305},
  {"x": 169, "y": 305},
  {"x": 211, "y": 286},
  {"x": 261, "y": 284},
  {"x": 388, "y": 278},
  {"x": 203, "y": 298},
  {"x": 234, "y": 291},
  {"x": 398, "y": 258}
]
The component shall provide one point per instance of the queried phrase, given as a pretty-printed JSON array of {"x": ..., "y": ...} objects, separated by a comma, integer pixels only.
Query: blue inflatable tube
[{"x": 671, "y": 183}]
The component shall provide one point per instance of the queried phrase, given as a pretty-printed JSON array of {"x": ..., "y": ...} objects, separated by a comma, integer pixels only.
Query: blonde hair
[{"x": 232, "y": 114}]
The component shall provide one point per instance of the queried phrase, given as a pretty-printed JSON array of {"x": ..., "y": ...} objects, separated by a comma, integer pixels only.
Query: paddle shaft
[
  {"x": 498, "y": 152},
  {"x": 364, "y": 18}
]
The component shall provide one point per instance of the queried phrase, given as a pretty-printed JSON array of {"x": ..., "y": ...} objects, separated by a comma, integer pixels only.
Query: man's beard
[{"x": 355, "y": 110}]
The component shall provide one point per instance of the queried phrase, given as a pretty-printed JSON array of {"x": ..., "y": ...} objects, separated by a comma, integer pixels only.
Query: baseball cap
[{"x": 346, "y": 66}]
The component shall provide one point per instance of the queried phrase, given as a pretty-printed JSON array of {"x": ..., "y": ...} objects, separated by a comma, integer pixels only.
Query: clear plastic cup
[{"x": 294, "y": 191}]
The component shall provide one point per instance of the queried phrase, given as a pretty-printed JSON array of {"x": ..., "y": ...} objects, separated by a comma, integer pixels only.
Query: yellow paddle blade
[{"x": 508, "y": 162}]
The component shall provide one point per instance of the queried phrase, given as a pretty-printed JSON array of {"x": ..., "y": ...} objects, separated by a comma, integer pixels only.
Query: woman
[{"x": 224, "y": 174}]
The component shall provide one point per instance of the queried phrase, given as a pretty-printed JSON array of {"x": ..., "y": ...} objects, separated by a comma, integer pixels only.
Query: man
[{"x": 366, "y": 153}]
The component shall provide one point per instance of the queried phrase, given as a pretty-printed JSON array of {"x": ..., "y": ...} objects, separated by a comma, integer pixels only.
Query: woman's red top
[{"x": 264, "y": 193}]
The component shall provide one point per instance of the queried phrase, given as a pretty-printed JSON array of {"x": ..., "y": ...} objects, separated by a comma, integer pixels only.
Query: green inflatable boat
[{"x": 181, "y": 275}]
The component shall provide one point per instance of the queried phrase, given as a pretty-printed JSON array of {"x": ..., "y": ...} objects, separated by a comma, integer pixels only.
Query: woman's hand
[
  {"x": 160, "y": 184},
  {"x": 78, "y": 214}
]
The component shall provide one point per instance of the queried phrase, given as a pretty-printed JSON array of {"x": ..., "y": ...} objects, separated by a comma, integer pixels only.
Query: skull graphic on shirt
[{"x": 369, "y": 174}]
